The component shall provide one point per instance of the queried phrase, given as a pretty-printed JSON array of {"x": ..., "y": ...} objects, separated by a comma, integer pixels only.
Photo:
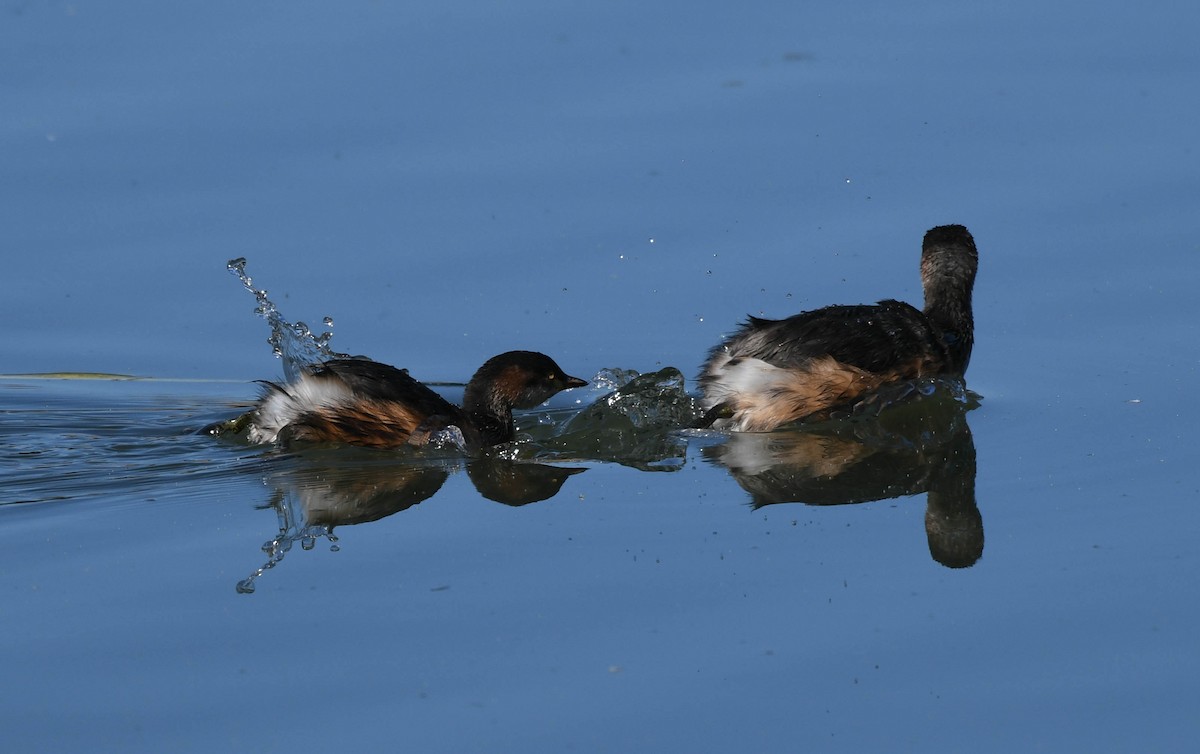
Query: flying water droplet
[{"x": 294, "y": 344}]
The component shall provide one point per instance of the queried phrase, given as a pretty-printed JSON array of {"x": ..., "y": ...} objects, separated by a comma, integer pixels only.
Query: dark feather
[
  {"x": 371, "y": 380},
  {"x": 876, "y": 338}
]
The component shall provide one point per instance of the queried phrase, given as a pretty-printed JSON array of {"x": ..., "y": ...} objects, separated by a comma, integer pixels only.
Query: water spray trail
[{"x": 295, "y": 344}]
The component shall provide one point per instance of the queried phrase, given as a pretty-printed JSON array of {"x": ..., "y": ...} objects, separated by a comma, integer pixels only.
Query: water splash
[
  {"x": 636, "y": 424},
  {"x": 923, "y": 390},
  {"x": 652, "y": 401},
  {"x": 293, "y": 528},
  {"x": 295, "y": 344},
  {"x": 450, "y": 437},
  {"x": 612, "y": 379}
]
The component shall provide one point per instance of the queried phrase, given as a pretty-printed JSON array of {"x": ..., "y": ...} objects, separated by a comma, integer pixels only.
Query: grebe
[
  {"x": 771, "y": 372},
  {"x": 363, "y": 402}
]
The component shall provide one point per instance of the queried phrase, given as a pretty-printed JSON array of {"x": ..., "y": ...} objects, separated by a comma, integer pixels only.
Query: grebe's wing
[
  {"x": 381, "y": 382},
  {"x": 876, "y": 338}
]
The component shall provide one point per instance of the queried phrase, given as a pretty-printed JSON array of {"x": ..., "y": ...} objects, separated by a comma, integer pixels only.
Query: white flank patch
[
  {"x": 747, "y": 386},
  {"x": 749, "y": 380},
  {"x": 306, "y": 395}
]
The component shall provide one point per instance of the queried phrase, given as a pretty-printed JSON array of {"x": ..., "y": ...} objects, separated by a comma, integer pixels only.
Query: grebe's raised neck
[{"x": 948, "y": 264}]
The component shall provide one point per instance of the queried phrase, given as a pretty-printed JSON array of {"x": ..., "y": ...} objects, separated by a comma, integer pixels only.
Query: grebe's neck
[
  {"x": 948, "y": 305},
  {"x": 948, "y": 264},
  {"x": 490, "y": 409}
]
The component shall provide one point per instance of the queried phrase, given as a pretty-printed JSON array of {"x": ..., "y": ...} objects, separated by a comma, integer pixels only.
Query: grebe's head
[
  {"x": 518, "y": 379},
  {"x": 949, "y": 258}
]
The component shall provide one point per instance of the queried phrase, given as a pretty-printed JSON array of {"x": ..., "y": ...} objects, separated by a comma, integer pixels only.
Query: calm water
[{"x": 617, "y": 187}]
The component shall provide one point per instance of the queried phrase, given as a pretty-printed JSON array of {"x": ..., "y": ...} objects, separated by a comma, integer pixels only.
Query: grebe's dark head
[
  {"x": 516, "y": 379},
  {"x": 948, "y": 261}
]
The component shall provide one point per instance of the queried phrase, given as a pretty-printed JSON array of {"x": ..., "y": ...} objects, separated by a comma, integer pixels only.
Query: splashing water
[
  {"x": 295, "y": 344},
  {"x": 293, "y": 528},
  {"x": 636, "y": 424}
]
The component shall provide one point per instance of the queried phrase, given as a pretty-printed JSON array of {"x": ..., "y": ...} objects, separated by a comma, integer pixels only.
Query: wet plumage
[
  {"x": 363, "y": 402},
  {"x": 772, "y": 372}
]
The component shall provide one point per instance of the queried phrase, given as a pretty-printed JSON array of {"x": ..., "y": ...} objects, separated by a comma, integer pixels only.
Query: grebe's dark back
[{"x": 772, "y": 372}]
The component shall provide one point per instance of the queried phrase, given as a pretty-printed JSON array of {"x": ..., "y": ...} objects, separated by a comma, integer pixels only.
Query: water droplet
[{"x": 294, "y": 344}]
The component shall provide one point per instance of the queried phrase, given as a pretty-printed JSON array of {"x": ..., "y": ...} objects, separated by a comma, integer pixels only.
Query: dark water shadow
[
  {"x": 887, "y": 449},
  {"x": 316, "y": 490}
]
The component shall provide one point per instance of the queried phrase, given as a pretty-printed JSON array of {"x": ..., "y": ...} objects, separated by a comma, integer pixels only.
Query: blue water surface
[{"x": 617, "y": 186}]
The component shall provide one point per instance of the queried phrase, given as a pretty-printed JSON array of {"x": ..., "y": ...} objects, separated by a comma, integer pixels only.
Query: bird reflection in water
[
  {"x": 905, "y": 441},
  {"x": 320, "y": 489}
]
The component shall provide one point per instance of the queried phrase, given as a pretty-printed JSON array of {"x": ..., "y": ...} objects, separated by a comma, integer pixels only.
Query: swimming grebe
[
  {"x": 362, "y": 402},
  {"x": 772, "y": 372}
]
